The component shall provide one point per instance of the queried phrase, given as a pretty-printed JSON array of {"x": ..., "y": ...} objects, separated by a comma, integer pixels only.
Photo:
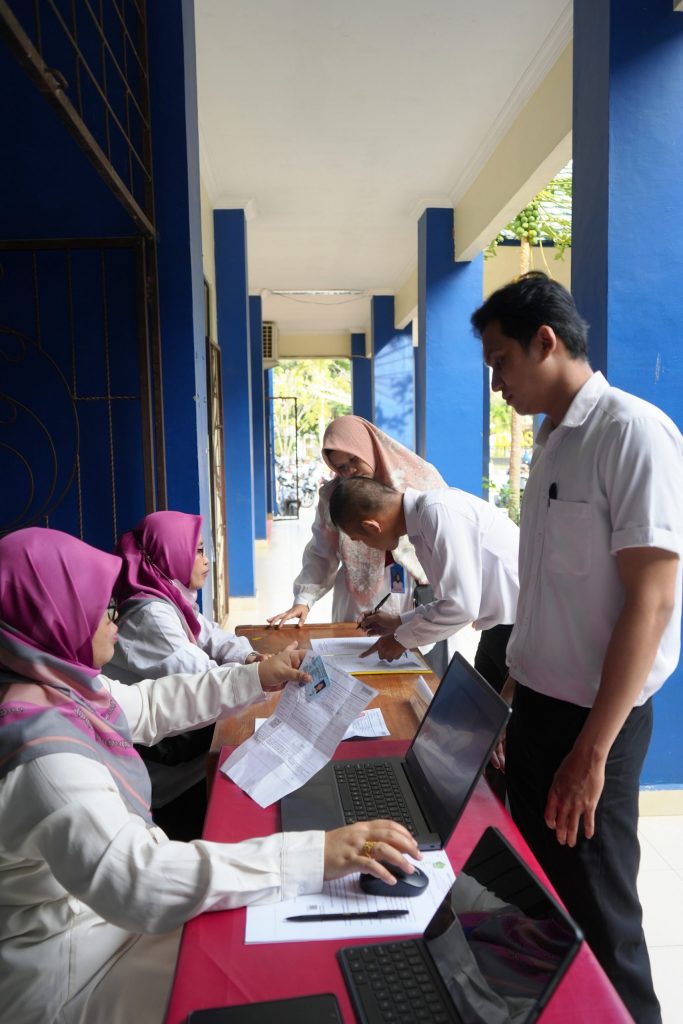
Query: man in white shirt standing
[
  {"x": 467, "y": 548},
  {"x": 598, "y": 622}
]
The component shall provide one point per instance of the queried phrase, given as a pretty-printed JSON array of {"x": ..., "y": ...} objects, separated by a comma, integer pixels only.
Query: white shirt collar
[
  {"x": 410, "y": 496},
  {"x": 582, "y": 405}
]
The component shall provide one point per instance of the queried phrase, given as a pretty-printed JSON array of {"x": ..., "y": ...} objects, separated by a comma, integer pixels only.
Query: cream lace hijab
[{"x": 392, "y": 464}]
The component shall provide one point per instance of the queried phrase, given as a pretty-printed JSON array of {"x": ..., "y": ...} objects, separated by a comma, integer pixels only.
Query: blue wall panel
[
  {"x": 627, "y": 264},
  {"x": 258, "y": 416},
  {"x": 230, "y": 247},
  {"x": 361, "y": 378},
  {"x": 451, "y": 400},
  {"x": 393, "y": 384}
]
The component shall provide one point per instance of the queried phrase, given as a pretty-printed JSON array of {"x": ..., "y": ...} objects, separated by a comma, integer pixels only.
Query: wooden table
[{"x": 395, "y": 688}]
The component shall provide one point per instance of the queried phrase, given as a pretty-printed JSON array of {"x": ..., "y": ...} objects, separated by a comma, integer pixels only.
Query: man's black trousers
[{"x": 596, "y": 879}]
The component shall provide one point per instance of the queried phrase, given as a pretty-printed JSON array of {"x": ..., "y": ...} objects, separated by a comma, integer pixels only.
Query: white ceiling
[{"x": 335, "y": 124}]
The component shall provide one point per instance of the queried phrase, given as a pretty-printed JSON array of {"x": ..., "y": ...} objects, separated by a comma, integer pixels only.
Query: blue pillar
[
  {"x": 258, "y": 417},
  {"x": 626, "y": 261},
  {"x": 232, "y": 305},
  {"x": 178, "y": 218},
  {"x": 361, "y": 378},
  {"x": 393, "y": 383},
  {"x": 268, "y": 389},
  {"x": 451, "y": 389}
]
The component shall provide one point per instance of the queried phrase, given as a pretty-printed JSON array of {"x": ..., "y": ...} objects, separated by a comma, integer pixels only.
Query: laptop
[
  {"x": 493, "y": 953},
  {"x": 427, "y": 790}
]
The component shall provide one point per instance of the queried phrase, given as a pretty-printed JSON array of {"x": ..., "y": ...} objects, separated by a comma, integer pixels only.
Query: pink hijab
[
  {"x": 161, "y": 548},
  {"x": 392, "y": 464},
  {"x": 54, "y": 590}
]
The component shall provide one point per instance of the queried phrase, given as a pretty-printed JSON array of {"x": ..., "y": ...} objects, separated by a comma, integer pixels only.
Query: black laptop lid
[
  {"x": 454, "y": 743},
  {"x": 499, "y": 941}
]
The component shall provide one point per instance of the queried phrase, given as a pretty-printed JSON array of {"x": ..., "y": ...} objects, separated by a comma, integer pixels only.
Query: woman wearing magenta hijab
[
  {"x": 361, "y": 576},
  {"x": 93, "y": 893},
  {"x": 162, "y": 631}
]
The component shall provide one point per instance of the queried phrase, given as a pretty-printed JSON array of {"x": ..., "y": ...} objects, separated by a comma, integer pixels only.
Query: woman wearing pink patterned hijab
[
  {"x": 162, "y": 548},
  {"x": 93, "y": 894},
  {"x": 161, "y": 632},
  {"x": 359, "y": 575}
]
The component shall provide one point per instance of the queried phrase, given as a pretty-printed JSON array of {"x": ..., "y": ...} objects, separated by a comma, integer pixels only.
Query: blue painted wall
[
  {"x": 268, "y": 386},
  {"x": 258, "y": 416},
  {"x": 230, "y": 247},
  {"x": 393, "y": 371},
  {"x": 451, "y": 389},
  {"x": 627, "y": 264},
  {"x": 175, "y": 140},
  {"x": 361, "y": 378},
  {"x": 50, "y": 190}
]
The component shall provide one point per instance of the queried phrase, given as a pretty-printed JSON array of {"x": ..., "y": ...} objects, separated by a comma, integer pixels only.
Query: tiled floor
[{"x": 660, "y": 882}]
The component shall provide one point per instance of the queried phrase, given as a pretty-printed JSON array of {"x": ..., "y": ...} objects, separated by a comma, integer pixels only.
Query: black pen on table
[
  {"x": 382, "y": 915},
  {"x": 376, "y": 608}
]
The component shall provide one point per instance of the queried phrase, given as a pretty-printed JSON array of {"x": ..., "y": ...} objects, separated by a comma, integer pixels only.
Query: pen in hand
[
  {"x": 374, "y": 610},
  {"x": 357, "y": 916}
]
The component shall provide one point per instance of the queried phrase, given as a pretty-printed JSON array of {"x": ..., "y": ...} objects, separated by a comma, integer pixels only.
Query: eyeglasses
[{"x": 113, "y": 610}]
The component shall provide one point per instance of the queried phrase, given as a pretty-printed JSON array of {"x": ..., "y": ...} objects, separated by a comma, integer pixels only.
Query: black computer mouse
[{"x": 406, "y": 885}]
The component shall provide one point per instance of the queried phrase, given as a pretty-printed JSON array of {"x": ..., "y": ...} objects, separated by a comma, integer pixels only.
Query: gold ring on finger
[{"x": 368, "y": 847}]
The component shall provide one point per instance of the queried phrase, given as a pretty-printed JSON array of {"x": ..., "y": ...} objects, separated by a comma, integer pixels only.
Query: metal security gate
[
  {"x": 80, "y": 431},
  {"x": 285, "y": 456}
]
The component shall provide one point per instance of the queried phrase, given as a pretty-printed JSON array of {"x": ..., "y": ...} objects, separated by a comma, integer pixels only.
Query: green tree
[
  {"x": 547, "y": 218},
  {"x": 322, "y": 388}
]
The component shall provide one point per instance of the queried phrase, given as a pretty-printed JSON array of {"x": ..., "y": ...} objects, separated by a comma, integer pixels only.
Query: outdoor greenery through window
[
  {"x": 545, "y": 223},
  {"x": 322, "y": 389}
]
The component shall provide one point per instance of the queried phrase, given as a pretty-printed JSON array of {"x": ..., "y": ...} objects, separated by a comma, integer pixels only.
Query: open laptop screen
[
  {"x": 499, "y": 941},
  {"x": 454, "y": 743}
]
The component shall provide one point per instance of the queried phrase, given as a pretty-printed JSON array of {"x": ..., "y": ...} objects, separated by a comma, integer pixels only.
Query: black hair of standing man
[{"x": 527, "y": 303}]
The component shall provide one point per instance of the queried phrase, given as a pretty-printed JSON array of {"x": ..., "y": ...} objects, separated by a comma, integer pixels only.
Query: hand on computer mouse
[
  {"x": 359, "y": 847},
  {"x": 406, "y": 884}
]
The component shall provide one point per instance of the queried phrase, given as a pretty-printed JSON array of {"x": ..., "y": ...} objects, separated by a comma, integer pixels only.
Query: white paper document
[
  {"x": 346, "y": 653},
  {"x": 344, "y": 896},
  {"x": 301, "y": 735},
  {"x": 368, "y": 724}
]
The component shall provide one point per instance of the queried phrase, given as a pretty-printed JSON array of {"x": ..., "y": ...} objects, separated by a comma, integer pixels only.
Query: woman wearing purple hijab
[
  {"x": 93, "y": 893},
  {"x": 161, "y": 632}
]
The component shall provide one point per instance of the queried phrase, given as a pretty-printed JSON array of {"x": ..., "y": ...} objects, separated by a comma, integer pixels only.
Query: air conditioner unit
[{"x": 269, "y": 344}]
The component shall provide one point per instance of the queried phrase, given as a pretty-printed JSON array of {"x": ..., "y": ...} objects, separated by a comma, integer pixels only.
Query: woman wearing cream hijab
[{"x": 360, "y": 576}]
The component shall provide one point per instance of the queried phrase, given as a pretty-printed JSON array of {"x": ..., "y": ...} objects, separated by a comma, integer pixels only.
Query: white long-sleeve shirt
[
  {"x": 153, "y": 642},
  {"x": 469, "y": 550},
  {"x": 81, "y": 876}
]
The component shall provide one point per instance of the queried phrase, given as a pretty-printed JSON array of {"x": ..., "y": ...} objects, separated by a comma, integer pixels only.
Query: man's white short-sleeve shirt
[{"x": 608, "y": 477}]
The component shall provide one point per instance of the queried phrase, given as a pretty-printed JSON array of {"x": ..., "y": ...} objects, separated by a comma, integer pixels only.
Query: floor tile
[
  {"x": 666, "y": 975},
  {"x": 665, "y": 833},
  {"x": 661, "y": 895},
  {"x": 650, "y": 858}
]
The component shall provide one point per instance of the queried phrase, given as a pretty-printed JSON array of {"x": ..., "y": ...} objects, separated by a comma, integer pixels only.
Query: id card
[
  {"x": 397, "y": 579},
  {"x": 320, "y": 680}
]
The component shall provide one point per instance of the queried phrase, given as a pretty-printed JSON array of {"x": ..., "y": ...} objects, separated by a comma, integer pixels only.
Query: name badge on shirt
[{"x": 397, "y": 579}]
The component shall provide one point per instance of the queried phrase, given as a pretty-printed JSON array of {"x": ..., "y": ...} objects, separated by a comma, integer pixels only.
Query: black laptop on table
[
  {"x": 427, "y": 790},
  {"x": 493, "y": 953}
]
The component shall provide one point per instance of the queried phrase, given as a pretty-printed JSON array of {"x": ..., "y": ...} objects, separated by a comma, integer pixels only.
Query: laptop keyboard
[
  {"x": 371, "y": 790},
  {"x": 394, "y": 986}
]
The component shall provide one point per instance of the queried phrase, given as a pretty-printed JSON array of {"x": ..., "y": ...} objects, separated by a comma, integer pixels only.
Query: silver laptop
[{"x": 427, "y": 790}]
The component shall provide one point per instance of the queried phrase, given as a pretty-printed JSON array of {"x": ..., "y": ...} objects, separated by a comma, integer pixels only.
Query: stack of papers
[
  {"x": 301, "y": 735},
  {"x": 345, "y": 652},
  {"x": 344, "y": 895}
]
